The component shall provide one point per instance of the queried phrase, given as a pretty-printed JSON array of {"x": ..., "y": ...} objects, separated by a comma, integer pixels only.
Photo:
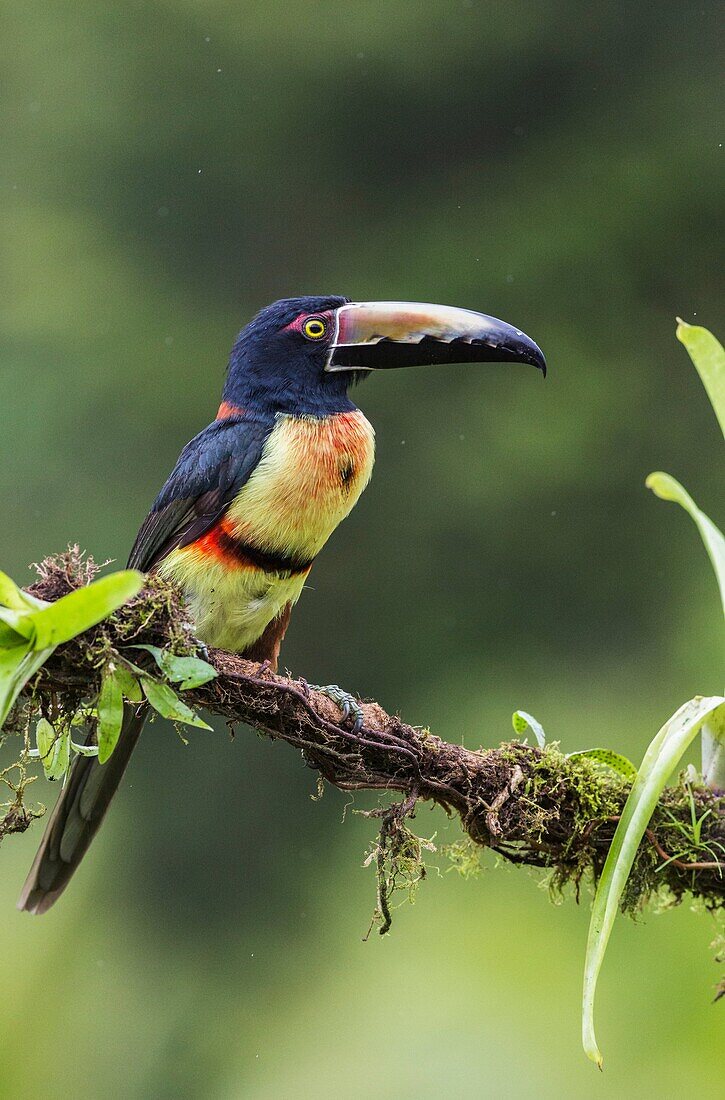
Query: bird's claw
[{"x": 347, "y": 703}]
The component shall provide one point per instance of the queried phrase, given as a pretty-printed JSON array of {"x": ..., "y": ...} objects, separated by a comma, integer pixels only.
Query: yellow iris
[{"x": 314, "y": 328}]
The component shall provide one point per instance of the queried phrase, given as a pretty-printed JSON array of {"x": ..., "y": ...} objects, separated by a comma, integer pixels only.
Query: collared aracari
[{"x": 255, "y": 496}]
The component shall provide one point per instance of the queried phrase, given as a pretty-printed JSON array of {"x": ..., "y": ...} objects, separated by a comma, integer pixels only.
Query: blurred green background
[{"x": 168, "y": 168}]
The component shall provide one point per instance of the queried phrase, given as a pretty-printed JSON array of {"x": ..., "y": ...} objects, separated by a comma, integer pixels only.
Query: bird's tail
[{"x": 77, "y": 815}]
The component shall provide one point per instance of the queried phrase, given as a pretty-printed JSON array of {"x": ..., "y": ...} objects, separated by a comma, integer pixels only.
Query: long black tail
[{"x": 77, "y": 816}]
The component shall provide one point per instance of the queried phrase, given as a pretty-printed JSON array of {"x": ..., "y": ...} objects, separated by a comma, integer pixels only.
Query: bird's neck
[{"x": 267, "y": 389}]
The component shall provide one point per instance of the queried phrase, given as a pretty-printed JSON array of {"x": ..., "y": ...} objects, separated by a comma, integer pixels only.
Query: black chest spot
[{"x": 347, "y": 473}]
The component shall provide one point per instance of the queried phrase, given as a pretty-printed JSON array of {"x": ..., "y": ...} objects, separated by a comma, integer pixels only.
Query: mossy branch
[{"x": 531, "y": 805}]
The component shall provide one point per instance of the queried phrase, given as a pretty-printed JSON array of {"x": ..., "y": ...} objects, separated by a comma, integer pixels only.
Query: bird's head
[{"x": 302, "y": 354}]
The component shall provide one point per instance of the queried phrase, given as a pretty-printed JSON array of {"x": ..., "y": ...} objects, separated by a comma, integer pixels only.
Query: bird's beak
[{"x": 375, "y": 335}]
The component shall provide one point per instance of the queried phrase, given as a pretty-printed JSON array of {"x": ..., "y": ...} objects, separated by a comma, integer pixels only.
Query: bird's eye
[{"x": 314, "y": 328}]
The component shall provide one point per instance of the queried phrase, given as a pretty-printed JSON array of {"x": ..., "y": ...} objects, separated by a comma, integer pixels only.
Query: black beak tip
[
  {"x": 535, "y": 356},
  {"x": 515, "y": 346},
  {"x": 540, "y": 362}
]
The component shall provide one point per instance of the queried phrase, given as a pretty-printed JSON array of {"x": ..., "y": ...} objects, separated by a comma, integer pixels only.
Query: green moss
[{"x": 464, "y": 856}]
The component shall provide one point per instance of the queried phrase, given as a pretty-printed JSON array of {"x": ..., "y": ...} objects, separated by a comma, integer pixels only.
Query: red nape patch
[{"x": 226, "y": 410}]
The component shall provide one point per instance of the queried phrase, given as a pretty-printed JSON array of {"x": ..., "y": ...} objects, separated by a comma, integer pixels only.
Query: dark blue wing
[{"x": 211, "y": 470}]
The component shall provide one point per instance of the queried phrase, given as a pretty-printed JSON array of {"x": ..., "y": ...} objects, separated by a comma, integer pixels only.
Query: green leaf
[
  {"x": 522, "y": 722},
  {"x": 84, "y": 750},
  {"x": 667, "y": 488},
  {"x": 11, "y": 595},
  {"x": 9, "y": 638},
  {"x": 164, "y": 700},
  {"x": 154, "y": 650},
  {"x": 660, "y": 759},
  {"x": 15, "y": 604},
  {"x": 613, "y": 760},
  {"x": 19, "y": 621},
  {"x": 713, "y": 751},
  {"x": 708, "y": 356},
  {"x": 110, "y": 714},
  {"x": 17, "y": 665},
  {"x": 53, "y": 749},
  {"x": 191, "y": 670},
  {"x": 61, "y": 756},
  {"x": 82, "y": 609},
  {"x": 44, "y": 739},
  {"x": 129, "y": 685}
]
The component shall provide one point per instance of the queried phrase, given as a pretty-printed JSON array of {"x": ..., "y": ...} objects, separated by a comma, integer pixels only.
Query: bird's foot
[{"x": 347, "y": 703}]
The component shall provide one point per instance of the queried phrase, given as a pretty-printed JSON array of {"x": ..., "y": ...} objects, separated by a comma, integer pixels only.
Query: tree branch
[{"x": 530, "y": 805}]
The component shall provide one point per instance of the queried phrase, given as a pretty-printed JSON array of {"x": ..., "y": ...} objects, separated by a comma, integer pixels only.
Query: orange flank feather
[{"x": 216, "y": 544}]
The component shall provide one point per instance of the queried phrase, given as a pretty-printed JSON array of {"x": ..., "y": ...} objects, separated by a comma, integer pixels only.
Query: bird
[{"x": 254, "y": 497}]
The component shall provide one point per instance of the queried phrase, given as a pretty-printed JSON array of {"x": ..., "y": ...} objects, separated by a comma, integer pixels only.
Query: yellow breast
[{"x": 309, "y": 478}]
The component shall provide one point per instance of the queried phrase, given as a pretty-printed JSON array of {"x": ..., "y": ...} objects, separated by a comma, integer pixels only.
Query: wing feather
[{"x": 209, "y": 473}]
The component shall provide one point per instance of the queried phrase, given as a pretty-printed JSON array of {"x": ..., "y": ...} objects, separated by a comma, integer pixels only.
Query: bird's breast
[
  {"x": 242, "y": 573},
  {"x": 310, "y": 476}
]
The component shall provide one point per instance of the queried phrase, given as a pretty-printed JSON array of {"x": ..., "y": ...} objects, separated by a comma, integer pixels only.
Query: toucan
[{"x": 255, "y": 496}]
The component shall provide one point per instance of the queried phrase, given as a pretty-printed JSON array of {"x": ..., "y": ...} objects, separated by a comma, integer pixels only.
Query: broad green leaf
[
  {"x": 14, "y": 607},
  {"x": 10, "y": 594},
  {"x": 9, "y": 638},
  {"x": 522, "y": 722},
  {"x": 82, "y": 609},
  {"x": 53, "y": 624},
  {"x": 44, "y": 739},
  {"x": 191, "y": 670},
  {"x": 197, "y": 672},
  {"x": 110, "y": 715},
  {"x": 613, "y": 760},
  {"x": 56, "y": 757},
  {"x": 167, "y": 703},
  {"x": 19, "y": 621},
  {"x": 156, "y": 652},
  {"x": 713, "y": 751},
  {"x": 708, "y": 356},
  {"x": 129, "y": 684},
  {"x": 667, "y": 488},
  {"x": 660, "y": 759},
  {"x": 17, "y": 665}
]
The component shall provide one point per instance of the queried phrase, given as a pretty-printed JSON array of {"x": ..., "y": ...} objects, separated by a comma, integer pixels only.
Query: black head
[
  {"x": 302, "y": 354},
  {"x": 278, "y": 359}
]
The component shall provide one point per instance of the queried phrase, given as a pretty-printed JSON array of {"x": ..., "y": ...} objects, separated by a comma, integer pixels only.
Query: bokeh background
[{"x": 169, "y": 167}]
